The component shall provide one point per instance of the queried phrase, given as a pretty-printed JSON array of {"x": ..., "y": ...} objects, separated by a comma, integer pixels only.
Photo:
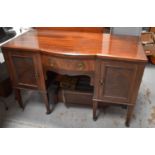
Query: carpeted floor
[{"x": 80, "y": 117}]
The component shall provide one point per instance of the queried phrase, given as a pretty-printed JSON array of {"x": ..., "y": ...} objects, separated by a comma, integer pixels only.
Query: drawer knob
[
  {"x": 102, "y": 82},
  {"x": 81, "y": 65},
  {"x": 52, "y": 64}
]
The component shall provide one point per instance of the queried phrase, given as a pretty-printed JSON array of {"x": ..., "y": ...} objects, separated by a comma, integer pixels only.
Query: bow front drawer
[{"x": 69, "y": 64}]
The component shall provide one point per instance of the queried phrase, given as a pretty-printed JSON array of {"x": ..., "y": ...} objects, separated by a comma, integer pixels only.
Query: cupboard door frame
[
  {"x": 105, "y": 65},
  {"x": 38, "y": 71}
]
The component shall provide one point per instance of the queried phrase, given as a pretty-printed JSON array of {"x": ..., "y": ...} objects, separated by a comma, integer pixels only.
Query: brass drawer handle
[
  {"x": 51, "y": 63},
  {"x": 81, "y": 65}
]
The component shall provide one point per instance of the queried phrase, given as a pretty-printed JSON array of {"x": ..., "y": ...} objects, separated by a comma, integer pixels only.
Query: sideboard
[{"x": 114, "y": 63}]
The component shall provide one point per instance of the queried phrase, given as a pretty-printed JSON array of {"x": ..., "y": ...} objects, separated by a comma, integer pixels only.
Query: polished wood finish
[
  {"x": 152, "y": 29},
  {"x": 74, "y": 29},
  {"x": 114, "y": 63},
  {"x": 27, "y": 76},
  {"x": 77, "y": 44},
  {"x": 26, "y": 73},
  {"x": 116, "y": 81},
  {"x": 67, "y": 64}
]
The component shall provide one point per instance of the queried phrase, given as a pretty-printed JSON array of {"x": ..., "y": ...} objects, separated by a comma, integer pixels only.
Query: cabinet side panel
[{"x": 137, "y": 82}]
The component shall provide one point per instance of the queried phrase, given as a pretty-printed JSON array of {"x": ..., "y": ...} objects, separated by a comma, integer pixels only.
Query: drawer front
[{"x": 85, "y": 65}]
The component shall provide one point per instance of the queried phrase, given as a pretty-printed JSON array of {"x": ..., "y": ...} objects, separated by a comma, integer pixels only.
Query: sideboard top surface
[{"x": 72, "y": 43}]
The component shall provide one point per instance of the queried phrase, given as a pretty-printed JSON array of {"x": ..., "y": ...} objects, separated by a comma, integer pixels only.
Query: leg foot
[
  {"x": 127, "y": 124},
  {"x": 94, "y": 118},
  {"x": 46, "y": 101},
  {"x": 19, "y": 98},
  {"x": 129, "y": 115},
  {"x": 48, "y": 112},
  {"x": 95, "y": 105}
]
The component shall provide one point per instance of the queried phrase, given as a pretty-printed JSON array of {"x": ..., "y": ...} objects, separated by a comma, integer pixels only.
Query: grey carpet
[{"x": 80, "y": 117}]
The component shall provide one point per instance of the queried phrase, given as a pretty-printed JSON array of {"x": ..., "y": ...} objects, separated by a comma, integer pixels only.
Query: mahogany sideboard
[{"x": 115, "y": 64}]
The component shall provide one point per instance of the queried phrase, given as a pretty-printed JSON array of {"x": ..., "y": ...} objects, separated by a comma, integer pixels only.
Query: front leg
[
  {"x": 46, "y": 101},
  {"x": 19, "y": 98},
  {"x": 129, "y": 115},
  {"x": 95, "y": 106}
]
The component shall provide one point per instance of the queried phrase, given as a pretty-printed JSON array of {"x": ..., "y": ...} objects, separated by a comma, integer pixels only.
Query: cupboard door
[
  {"x": 26, "y": 69},
  {"x": 117, "y": 81}
]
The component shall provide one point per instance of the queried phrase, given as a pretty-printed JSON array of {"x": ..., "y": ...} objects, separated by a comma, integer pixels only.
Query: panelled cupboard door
[
  {"x": 117, "y": 81},
  {"x": 26, "y": 69}
]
